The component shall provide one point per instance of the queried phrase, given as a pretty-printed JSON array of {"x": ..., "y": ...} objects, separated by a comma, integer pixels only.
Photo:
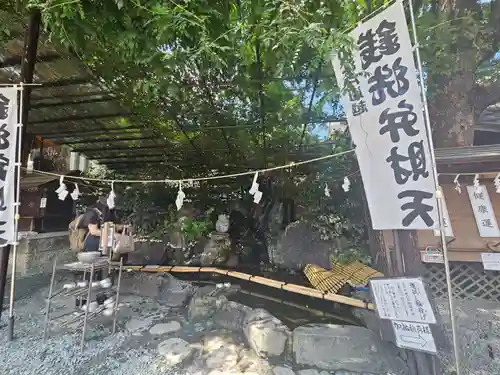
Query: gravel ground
[
  {"x": 478, "y": 331},
  {"x": 134, "y": 350}
]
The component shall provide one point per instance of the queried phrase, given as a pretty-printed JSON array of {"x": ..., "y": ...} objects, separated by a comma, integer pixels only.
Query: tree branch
[{"x": 482, "y": 96}]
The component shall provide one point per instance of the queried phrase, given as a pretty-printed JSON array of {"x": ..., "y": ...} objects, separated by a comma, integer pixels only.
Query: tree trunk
[{"x": 451, "y": 112}]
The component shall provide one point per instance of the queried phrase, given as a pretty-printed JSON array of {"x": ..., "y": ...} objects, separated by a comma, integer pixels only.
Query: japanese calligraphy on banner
[
  {"x": 385, "y": 115},
  {"x": 483, "y": 211},
  {"x": 448, "y": 230},
  {"x": 8, "y": 144}
]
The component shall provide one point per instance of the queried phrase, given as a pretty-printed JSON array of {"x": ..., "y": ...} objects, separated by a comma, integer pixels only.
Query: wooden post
[
  {"x": 27, "y": 71},
  {"x": 408, "y": 263}
]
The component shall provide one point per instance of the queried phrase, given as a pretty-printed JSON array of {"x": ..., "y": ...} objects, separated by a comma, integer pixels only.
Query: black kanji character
[
  {"x": 3, "y": 207},
  {"x": 416, "y": 156},
  {"x": 482, "y": 209},
  {"x": 487, "y": 223},
  {"x": 383, "y": 84},
  {"x": 359, "y": 108},
  {"x": 4, "y": 162},
  {"x": 367, "y": 44},
  {"x": 388, "y": 38},
  {"x": 403, "y": 120},
  {"x": 479, "y": 195},
  {"x": 4, "y": 137},
  {"x": 417, "y": 207},
  {"x": 4, "y": 107},
  {"x": 3, "y": 241},
  {"x": 355, "y": 94},
  {"x": 373, "y": 46}
]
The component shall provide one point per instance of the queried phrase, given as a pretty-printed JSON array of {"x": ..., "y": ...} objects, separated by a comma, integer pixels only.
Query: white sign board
[
  {"x": 491, "y": 261},
  {"x": 8, "y": 145},
  {"x": 483, "y": 211},
  {"x": 384, "y": 111},
  {"x": 402, "y": 299},
  {"x": 43, "y": 202},
  {"x": 448, "y": 231},
  {"x": 414, "y": 336}
]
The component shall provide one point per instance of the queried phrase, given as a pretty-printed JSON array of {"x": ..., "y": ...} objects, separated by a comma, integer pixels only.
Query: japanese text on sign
[
  {"x": 483, "y": 211},
  {"x": 394, "y": 156},
  {"x": 8, "y": 144},
  {"x": 414, "y": 336},
  {"x": 402, "y": 299}
]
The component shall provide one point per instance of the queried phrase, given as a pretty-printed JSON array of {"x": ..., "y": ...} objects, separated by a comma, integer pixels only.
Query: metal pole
[
  {"x": 117, "y": 295},
  {"x": 49, "y": 300},
  {"x": 17, "y": 203},
  {"x": 439, "y": 194},
  {"x": 89, "y": 296}
]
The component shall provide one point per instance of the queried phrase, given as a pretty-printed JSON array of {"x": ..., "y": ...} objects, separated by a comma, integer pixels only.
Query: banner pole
[
  {"x": 17, "y": 203},
  {"x": 439, "y": 193}
]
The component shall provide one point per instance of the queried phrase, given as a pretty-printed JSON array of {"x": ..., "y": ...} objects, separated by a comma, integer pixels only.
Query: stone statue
[{"x": 222, "y": 224}]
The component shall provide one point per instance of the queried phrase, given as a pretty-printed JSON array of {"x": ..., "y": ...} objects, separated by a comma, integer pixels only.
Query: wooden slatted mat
[
  {"x": 324, "y": 280},
  {"x": 356, "y": 273}
]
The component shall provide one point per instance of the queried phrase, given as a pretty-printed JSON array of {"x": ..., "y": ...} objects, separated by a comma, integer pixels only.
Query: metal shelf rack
[{"x": 102, "y": 263}]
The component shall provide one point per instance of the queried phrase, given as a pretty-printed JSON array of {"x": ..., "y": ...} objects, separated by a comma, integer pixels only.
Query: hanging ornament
[
  {"x": 347, "y": 184},
  {"x": 255, "y": 186},
  {"x": 496, "y": 182},
  {"x": 458, "y": 187},
  {"x": 61, "y": 191},
  {"x": 110, "y": 201},
  {"x": 254, "y": 189},
  {"x": 180, "y": 197},
  {"x": 29, "y": 164},
  {"x": 476, "y": 184},
  {"x": 257, "y": 197},
  {"x": 327, "y": 190},
  {"x": 76, "y": 193}
]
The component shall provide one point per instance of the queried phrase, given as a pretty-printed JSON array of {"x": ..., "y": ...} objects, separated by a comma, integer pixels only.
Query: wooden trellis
[{"x": 469, "y": 281}]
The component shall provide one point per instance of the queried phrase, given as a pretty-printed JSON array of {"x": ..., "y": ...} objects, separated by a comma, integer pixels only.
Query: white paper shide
[
  {"x": 386, "y": 121},
  {"x": 483, "y": 211},
  {"x": 8, "y": 144},
  {"x": 448, "y": 230}
]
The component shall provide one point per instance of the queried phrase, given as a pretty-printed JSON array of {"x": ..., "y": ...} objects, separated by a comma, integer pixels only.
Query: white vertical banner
[
  {"x": 384, "y": 110},
  {"x": 448, "y": 230},
  {"x": 8, "y": 145},
  {"x": 483, "y": 211}
]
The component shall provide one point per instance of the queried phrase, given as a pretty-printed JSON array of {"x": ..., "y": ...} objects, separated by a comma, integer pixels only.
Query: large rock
[
  {"x": 174, "y": 292},
  {"x": 175, "y": 350},
  {"x": 266, "y": 334},
  {"x": 334, "y": 347},
  {"x": 231, "y": 315},
  {"x": 217, "y": 250},
  {"x": 299, "y": 245},
  {"x": 205, "y": 303}
]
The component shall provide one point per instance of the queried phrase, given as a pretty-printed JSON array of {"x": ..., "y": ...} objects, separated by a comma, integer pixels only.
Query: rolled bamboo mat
[
  {"x": 356, "y": 273},
  {"x": 259, "y": 280},
  {"x": 324, "y": 280}
]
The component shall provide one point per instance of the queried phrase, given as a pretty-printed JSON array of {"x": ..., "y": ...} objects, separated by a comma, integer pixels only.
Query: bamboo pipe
[{"x": 263, "y": 281}]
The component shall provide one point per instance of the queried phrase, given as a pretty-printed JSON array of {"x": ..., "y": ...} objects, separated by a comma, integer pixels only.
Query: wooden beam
[
  {"x": 96, "y": 131},
  {"x": 27, "y": 72},
  {"x": 64, "y": 82},
  {"x": 123, "y": 149},
  {"x": 72, "y": 95},
  {"x": 109, "y": 140},
  {"x": 71, "y": 102},
  {"x": 12, "y": 61},
  {"x": 80, "y": 118}
]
